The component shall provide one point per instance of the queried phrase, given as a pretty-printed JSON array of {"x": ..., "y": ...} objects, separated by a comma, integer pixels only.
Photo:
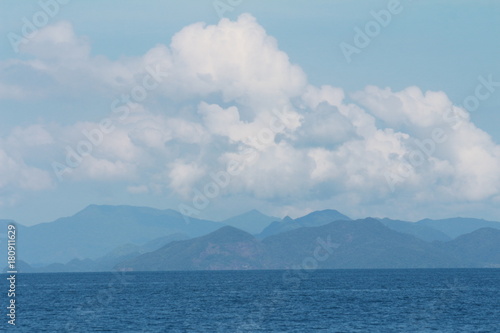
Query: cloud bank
[{"x": 220, "y": 93}]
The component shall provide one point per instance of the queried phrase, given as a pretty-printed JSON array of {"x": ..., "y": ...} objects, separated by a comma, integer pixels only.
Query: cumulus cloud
[
  {"x": 60, "y": 63},
  {"x": 237, "y": 59},
  {"x": 57, "y": 42},
  {"x": 17, "y": 176},
  {"x": 410, "y": 107},
  {"x": 183, "y": 176},
  {"x": 17, "y": 173},
  {"x": 19, "y": 152},
  {"x": 465, "y": 156},
  {"x": 226, "y": 92}
]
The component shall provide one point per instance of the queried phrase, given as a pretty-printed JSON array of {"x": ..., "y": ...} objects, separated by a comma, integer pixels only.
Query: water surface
[{"x": 420, "y": 300}]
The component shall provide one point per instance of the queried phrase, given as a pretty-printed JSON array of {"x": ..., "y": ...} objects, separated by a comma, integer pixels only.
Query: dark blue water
[{"x": 259, "y": 301}]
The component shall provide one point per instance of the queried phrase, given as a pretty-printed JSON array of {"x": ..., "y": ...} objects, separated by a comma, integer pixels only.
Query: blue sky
[{"x": 346, "y": 152}]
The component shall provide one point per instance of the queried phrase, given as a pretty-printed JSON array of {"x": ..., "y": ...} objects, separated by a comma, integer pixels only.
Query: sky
[{"x": 213, "y": 108}]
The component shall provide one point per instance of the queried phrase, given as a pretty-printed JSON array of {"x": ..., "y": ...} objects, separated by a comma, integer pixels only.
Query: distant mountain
[
  {"x": 457, "y": 226},
  {"x": 225, "y": 249},
  {"x": 321, "y": 217},
  {"x": 99, "y": 238},
  {"x": 5, "y": 223},
  {"x": 21, "y": 267},
  {"x": 423, "y": 232},
  {"x": 109, "y": 260},
  {"x": 276, "y": 227},
  {"x": 313, "y": 219},
  {"x": 97, "y": 230},
  {"x": 106, "y": 262},
  {"x": 157, "y": 243},
  {"x": 480, "y": 248},
  {"x": 363, "y": 243},
  {"x": 252, "y": 222}
]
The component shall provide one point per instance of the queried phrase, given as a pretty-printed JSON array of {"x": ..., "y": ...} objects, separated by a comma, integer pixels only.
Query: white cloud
[
  {"x": 62, "y": 61},
  {"x": 237, "y": 59},
  {"x": 183, "y": 176},
  {"x": 105, "y": 170},
  {"x": 17, "y": 152},
  {"x": 31, "y": 136},
  {"x": 221, "y": 92},
  {"x": 313, "y": 96},
  {"x": 467, "y": 157},
  {"x": 58, "y": 42},
  {"x": 139, "y": 189},
  {"x": 15, "y": 174},
  {"x": 408, "y": 107},
  {"x": 11, "y": 91}
]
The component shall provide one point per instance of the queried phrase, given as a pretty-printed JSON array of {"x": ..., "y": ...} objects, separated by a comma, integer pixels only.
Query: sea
[{"x": 368, "y": 300}]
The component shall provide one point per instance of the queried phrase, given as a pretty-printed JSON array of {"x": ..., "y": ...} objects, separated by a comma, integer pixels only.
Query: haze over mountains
[
  {"x": 313, "y": 219},
  {"x": 101, "y": 238},
  {"x": 97, "y": 230},
  {"x": 363, "y": 243}
]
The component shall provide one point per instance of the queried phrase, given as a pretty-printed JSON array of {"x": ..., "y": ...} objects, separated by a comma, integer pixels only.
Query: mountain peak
[
  {"x": 321, "y": 217},
  {"x": 92, "y": 208},
  {"x": 252, "y": 221},
  {"x": 229, "y": 234},
  {"x": 454, "y": 227},
  {"x": 230, "y": 229},
  {"x": 328, "y": 213},
  {"x": 126, "y": 209},
  {"x": 254, "y": 211},
  {"x": 483, "y": 232}
]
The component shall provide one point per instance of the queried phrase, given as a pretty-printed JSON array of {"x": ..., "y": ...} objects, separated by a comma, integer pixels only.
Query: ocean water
[{"x": 431, "y": 300}]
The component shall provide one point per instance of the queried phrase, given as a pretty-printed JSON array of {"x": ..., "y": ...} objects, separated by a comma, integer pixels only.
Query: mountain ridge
[
  {"x": 364, "y": 243},
  {"x": 106, "y": 234}
]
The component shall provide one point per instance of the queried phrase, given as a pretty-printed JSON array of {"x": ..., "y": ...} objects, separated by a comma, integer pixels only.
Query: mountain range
[
  {"x": 313, "y": 219},
  {"x": 101, "y": 238},
  {"x": 363, "y": 243}
]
